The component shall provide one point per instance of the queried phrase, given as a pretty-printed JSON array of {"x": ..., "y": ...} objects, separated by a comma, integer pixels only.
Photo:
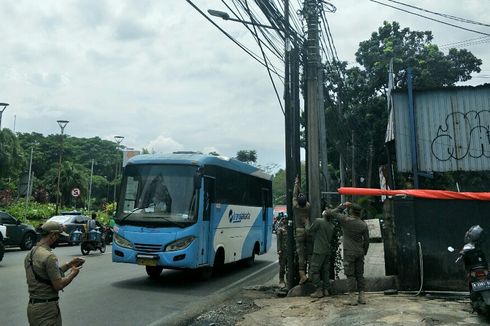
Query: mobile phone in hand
[{"x": 80, "y": 262}]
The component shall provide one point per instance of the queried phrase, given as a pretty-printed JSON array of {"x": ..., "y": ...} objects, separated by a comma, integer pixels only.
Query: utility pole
[
  {"x": 313, "y": 105},
  {"x": 325, "y": 180},
  {"x": 290, "y": 166}
]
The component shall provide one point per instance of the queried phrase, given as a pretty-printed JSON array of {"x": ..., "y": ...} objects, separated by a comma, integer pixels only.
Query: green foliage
[
  {"x": 35, "y": 213},
  {"x": 10, "y": 154},
  {"x": 249, "y": 156},
  {"x": 279, "y": 188},
  {"x": 432, "y": 68}
]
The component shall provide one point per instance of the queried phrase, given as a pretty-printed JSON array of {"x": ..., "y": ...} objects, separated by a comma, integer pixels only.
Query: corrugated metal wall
[{"x": 452, "y": 128}]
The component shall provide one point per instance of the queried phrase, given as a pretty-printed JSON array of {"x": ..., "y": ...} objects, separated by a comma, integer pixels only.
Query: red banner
[{"x": 421, "y": 193}]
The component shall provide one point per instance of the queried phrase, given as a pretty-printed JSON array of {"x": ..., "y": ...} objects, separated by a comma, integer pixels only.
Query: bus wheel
[
  {"x": 154, "y": 271},
  {"x": 219, "y": 262}
]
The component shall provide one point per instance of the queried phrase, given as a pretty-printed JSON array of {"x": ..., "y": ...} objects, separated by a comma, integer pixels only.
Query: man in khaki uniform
[
  {"x": 301, "y": 209},
  {"x": 356, "y": 245},
  {"x": 282, "y": 250},
  {"x": 321, "y": 231},
  {"x": 45, "y": 278}
]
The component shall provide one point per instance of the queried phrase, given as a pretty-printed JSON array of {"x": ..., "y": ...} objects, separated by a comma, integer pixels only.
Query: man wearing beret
[
  {"x": 45, "y": 277},
  {"x": 356, "y": 245}
]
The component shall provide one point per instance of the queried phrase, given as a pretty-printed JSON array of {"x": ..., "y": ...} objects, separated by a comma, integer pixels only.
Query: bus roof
[{"x": 199, "y": 159}]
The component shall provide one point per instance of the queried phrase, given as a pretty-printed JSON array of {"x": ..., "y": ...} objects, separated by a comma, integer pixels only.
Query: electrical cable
[
  {"x": 244, "y": 48},
  {"x": 433, "y": 19},
  {"x": 463, "y": 20},
  {"x": 265, "y": 59}
]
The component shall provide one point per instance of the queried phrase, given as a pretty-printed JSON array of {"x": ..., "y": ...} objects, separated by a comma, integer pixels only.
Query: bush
[{"x": 35, "y": 212}]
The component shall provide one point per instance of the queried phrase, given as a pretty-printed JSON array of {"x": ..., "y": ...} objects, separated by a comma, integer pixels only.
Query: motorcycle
[
  {"x": 476, "y": 267},
  {"x": 93, "y": 240},
  {"x": 109, "y": 234}
]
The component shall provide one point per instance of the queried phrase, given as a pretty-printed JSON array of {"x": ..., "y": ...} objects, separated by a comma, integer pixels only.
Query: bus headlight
[
  {"x": 180, "y": 244},
  {"x": 122, "y": 242}
]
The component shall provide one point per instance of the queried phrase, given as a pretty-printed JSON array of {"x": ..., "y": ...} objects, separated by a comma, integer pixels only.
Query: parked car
[
  {"x": 19, "y": 234},
  {"x": 3, "y": 235},
  {"x": 71, "y": 221}
]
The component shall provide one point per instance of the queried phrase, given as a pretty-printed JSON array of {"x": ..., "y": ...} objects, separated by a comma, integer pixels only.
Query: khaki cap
[{"x": 53, "y": 227}]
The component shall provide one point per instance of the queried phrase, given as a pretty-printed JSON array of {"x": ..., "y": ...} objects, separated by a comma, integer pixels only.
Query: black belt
[{"x": 32, "y": 300}]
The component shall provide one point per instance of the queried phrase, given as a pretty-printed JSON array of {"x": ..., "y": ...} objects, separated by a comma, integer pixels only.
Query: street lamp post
[
  {"x": 1, "y": 112},
  {"x": 62, "y": 124},
  {"x": 118, "y": 140}
]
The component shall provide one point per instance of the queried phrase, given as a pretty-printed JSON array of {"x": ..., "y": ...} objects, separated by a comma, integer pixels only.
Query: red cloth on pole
[{"x": 421, "y": 193}]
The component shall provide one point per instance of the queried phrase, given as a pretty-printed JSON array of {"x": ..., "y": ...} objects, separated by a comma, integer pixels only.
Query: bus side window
[{"x": 209, "y": 197}]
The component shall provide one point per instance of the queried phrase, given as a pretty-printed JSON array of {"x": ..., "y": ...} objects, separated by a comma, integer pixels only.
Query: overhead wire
[
  {"x": 463, "y": 20},
  {"x": 430, "y": 18},
  {"x": 244, "y": 48},
  {"x": 265, "y": 59},
  {"x": 273, "y": 50}
]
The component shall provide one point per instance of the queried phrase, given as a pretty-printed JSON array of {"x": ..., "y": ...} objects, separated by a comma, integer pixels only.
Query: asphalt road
[{"x": 106, "y": 293}]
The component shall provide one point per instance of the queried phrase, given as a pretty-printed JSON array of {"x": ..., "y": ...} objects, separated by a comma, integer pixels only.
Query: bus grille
[{"x": 143, "y": 247}]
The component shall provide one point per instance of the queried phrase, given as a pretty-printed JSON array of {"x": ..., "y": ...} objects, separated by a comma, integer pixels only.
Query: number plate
[
  {"x": 146, "y": 261},
  {"x": 481, "y": 285}
]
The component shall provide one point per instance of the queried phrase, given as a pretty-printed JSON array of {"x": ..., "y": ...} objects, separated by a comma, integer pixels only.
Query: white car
[{"x": 3, "y": 235}]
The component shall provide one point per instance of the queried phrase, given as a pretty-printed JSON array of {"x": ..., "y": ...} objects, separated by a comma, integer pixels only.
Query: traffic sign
[{"x": 75, "y": 192}]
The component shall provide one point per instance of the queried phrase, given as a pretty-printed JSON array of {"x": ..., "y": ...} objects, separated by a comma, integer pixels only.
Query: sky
[{"x": 162, "y": 76}]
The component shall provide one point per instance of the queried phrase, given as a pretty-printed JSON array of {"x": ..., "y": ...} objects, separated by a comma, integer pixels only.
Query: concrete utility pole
[
  {"x": 325, "y": 180},
  {"x": 314, "y": 103}
]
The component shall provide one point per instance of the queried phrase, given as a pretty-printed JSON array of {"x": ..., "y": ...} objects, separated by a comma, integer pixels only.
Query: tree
[
  {"x": 355, "y": 105},
  {"x": 11, "y": 155},
  {"x": 249, "y": 156},
  {"x": 432, "y": 68}
]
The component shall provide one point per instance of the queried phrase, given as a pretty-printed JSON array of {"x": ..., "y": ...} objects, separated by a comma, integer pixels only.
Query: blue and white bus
[{"x": 187, "y": 210}]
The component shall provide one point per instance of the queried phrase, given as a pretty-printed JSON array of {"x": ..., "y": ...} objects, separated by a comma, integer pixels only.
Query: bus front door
[
  {"x": 265, "y": 218},
  {"x": 208, "y": 200}
]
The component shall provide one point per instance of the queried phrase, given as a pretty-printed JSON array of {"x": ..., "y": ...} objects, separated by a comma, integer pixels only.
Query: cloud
[{"x": 163, "y": 144}]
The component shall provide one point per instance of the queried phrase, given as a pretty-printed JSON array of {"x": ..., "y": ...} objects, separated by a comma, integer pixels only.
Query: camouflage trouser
[
  {"x": 44, "y": 314},
  {"x": 300, "y": 239},
  {"x": 320, "y": 271},
  {"x": 283, "y": 262},
  {"x": 354, "y": 269}
]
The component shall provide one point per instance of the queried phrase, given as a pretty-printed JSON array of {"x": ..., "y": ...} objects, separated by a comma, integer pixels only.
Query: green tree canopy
[{"x": 247, "y": 156}]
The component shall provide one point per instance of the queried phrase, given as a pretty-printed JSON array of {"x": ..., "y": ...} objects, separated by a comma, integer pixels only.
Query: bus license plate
[
  {"x": 146, "y": 261},
  {"x": 481, "y": 285}
]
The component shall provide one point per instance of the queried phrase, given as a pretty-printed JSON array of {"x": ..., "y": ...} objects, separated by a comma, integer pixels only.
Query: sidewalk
[{"x": 400, "y": 309}]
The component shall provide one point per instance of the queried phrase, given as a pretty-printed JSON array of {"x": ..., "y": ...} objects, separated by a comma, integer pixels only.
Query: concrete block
[{"x": 374, "y": 229}]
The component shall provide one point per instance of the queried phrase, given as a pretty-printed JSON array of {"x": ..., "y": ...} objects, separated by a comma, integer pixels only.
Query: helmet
[
  {"x": 474, "y": 234},
  {"x": 301, "y": 200}
]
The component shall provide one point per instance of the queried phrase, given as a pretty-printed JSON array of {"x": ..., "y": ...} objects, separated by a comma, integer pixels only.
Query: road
[{"x": 106, "y": 293}]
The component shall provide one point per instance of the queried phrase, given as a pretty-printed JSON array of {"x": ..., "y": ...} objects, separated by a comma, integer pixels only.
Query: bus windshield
[{"x": 158, "y": 195}]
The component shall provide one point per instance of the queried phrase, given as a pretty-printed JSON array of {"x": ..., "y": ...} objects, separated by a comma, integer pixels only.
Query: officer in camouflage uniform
[
  {"x": 301, "y": 210},
  {"x": 356, "y": 245},
  {"x": 282, "y": 250},
  {"x": 45, "y": 278},
  {"x": 321, "y": 231}
]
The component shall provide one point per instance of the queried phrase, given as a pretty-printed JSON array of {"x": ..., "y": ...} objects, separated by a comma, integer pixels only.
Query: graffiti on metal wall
[{"x": 462, "y": 135}]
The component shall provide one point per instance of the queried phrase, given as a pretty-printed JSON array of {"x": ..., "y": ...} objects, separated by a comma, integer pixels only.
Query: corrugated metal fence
[{"x": 452, "y": 129}]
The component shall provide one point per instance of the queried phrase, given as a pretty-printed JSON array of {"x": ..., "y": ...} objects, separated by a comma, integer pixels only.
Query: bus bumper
[{"x": 179, "y": 259}]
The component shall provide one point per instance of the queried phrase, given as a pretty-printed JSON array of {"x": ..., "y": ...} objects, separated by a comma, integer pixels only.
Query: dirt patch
[
  {"x": 233, "y": 310},
  {"x": 264, "y": 306}
]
